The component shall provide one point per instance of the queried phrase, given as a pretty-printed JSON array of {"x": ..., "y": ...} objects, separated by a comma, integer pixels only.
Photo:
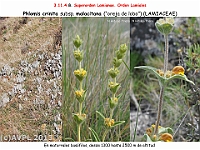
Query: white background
[
  {"x": 158, "y": 146},
  {"x": 15, "y": 8}
]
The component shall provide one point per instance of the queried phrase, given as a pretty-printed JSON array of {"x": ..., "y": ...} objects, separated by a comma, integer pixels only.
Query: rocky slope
[{"x": 30, "y": 73}]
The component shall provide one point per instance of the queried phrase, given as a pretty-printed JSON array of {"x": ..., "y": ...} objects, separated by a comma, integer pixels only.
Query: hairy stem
[
  {"x": 80, "y": 65},
  {"x": 79, "y": 132},
  {"x": 111, "y": 113},
  {"x": 162, "y": 86},
  {"x": 166, "y": 54},
  {"x": 159, "y": 109},
  {"x": 80, "y": 109}
]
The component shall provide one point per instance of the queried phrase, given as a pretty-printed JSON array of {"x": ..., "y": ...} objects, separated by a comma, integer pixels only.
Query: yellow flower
[
  {"x": 80, "y": 95},
  {"x": 109, "y": 122},
  {"x": 168, "y": 74},
  {"x": 166, "y": 137},
  {"x": 160, "y": 72},
  {"x": 153, "y": 126},
  {"x": 113, "y": 86},
  {"x": 154, "y": 137},
  {"x": 178, "y": 70},
  {"x": 149, "y": 131},
  {"x": 80, "y": 74},
  {"x": 78, "y": 55},
  {"x": 116, "y": 99}
]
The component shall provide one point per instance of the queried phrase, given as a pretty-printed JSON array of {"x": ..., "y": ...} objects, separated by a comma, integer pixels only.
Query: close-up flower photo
[{"x": 165, "y": 79}]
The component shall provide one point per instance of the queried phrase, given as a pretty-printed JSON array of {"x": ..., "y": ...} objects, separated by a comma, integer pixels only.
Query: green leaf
[
  {"x": 163, "y": 80},
  {"x": 95, "y": 135},
  {"x": 126, "y": 66},
  {"x": 161, "y": 130},
  {"x": 118, "y": 123},
  {"x": 170, "y": 130},
  {"x": 147, "y": 138},
  {"x": 182, "y": 77},
  {"x": 100, "y": 114},
  {"x": 120, "y": 95},
  {"x": 153, "y": 71},
  {"x": 64, "y": 75},
  {"x": 165, "y": 130}
]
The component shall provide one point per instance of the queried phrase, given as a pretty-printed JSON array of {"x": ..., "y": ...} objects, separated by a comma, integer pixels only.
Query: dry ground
[{"x": 30, "y": 47}]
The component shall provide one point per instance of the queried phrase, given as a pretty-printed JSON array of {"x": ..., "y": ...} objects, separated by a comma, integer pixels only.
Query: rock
[
  {"x": 17, "y": 88},
  {"x": 4, "y": 100},
  {"x": 20, "y": 78},
  {"x": 39, "y": 88},
  {"x": 57, "y": 118},
  {"x": 6, "y": 70},
  {"x": 59, "y": 104},
  {"x": 20, "y": 107},
  {"x": 35, "y": 64},
  {"x": 38, "y": 101},
  {"x": 38, "y": 80}
]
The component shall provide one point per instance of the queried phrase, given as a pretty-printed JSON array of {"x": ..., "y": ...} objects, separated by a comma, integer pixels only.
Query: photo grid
[{"x": 99, "y": 79}]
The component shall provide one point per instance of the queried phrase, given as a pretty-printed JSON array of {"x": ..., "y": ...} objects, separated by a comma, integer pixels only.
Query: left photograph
[{"x": 30, "y": 79}]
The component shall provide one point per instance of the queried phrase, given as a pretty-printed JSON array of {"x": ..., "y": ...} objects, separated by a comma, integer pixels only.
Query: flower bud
[
  {"x": 77, "y": 42},
  {"x": 109, "y": 122},
  {"x": 113, "y": 86},
  {"x": 149, "y": 131},
  {"x": 78, "y": 55},
  {"x": 80, "y": 95},
  {"x": 165, "y": 26},
  {"x": 117, "y": 62},
  {"x": 119, "y": 54},
  {"x": 160, "y": 72},
  {"x": 123, "y": 48},
  {"x": 80, "y": 74},
  {"x": 113, "y": 102},
  {"x": 79, "y": 119},
  {"x": 166, "y": 137},
  {"x": 168, "y": 74},
  {"x": 113, "y": 72}
]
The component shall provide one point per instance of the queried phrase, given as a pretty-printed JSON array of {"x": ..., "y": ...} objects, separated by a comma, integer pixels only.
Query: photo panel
[
  {"x": 164, "y": 63},
  {"x": 96, "y": 79},
  {"x": 30, "y": 79}
]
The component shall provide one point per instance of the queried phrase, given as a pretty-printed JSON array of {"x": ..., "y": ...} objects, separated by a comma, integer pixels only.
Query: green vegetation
[
  {"x": 180, "y": 107},
  {"x": 101, "y": 38}
]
